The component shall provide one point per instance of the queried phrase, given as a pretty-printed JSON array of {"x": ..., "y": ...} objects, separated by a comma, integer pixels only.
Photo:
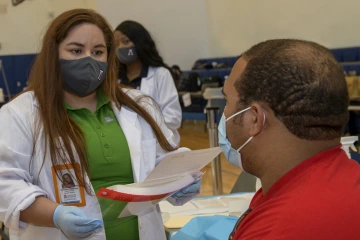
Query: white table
[{"x": 354, "y": 108}]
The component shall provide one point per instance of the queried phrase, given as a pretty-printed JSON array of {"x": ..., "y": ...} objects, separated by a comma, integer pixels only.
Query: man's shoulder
[{"x": 313, "y": 205}]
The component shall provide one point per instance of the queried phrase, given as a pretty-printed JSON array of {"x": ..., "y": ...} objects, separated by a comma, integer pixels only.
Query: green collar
[{"x": 102, "y": 100}]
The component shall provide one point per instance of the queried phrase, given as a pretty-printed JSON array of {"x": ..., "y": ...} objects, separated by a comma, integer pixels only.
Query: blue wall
[{"x": 17, "y": 69}]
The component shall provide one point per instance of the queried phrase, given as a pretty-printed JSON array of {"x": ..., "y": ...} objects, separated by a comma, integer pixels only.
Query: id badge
[{"x": 67, "y": 189}]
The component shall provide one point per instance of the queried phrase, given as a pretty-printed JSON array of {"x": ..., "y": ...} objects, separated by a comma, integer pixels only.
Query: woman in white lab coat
[
  {"x": 71, "y": 120},
  {"x": 141, "y": 67}
]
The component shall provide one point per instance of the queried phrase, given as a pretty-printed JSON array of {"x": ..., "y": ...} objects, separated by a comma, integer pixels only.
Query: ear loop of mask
[
  {"x": 250, "y": 138},
  {"x": 234, "y": 115}
]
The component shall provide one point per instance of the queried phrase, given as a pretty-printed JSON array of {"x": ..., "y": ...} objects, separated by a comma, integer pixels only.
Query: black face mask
[
  {"x": 127, "y": 55},
  {"x": 82, "y": 76}
]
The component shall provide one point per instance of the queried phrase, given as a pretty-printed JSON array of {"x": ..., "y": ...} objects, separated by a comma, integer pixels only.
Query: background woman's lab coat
[{"x": 160, "y": 85}]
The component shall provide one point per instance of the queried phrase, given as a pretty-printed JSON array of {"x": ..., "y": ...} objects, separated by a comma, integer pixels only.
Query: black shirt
[{"x": 136, "y": 82}]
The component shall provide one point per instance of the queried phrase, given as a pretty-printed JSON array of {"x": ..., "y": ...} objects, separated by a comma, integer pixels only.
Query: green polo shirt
[{"x": 109, "y": 162}]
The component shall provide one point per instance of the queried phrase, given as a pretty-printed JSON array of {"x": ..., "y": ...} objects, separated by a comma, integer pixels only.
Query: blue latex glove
[
  {"x": 73, "y": 222},
  {"x": 188, "y": 191}
]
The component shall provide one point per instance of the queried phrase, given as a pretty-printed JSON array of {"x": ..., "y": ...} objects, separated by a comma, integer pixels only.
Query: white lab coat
[
  {"x": 21, "y": 182},
  {"x": 160, "y": 85}
]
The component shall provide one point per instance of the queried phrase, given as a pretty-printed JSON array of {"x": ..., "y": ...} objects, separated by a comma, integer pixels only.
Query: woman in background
[{"x": 143, "y": 68}]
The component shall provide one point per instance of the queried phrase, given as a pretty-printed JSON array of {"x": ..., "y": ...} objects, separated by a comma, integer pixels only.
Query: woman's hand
[
  {"x": 189, "y": 191},
  {"x": 73, "y": 222}
]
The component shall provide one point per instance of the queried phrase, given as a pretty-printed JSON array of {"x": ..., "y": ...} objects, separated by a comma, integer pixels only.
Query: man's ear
[{"x": 257, "y": 119}]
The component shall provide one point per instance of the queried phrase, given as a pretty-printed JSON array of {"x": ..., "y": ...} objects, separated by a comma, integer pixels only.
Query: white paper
[
  {"x": 174, "y": 172},
  {"x": 212, "y": 205},
  {"x": 186, "y": 99},
  {"x": 155, "y": 186},
  {"x": 137, "y": 209},
  {"x": 167, "y": 207},
  {"x": 141, "y": 208},
  {"x": 183, "y": 162}
]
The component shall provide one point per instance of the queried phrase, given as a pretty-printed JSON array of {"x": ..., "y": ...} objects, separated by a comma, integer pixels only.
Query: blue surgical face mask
[{"x": 231, "y": 154}]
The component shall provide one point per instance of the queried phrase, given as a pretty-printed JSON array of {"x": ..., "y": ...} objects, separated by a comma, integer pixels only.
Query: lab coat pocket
[{"x": 149, "y": 154}]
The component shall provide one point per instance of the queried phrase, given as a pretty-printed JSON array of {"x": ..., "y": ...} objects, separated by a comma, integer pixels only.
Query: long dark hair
[
  {"x": 144, "y": 44},
  {"x": 47, "y": 84}
]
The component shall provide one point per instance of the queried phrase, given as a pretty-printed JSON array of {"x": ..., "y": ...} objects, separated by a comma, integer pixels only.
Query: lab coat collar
[
  {"x": 125, "y": 113},
  {"x": 151, "y": 73}
]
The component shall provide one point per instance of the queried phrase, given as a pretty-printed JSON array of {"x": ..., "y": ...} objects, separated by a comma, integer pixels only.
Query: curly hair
[{"x": 301, "y": 82}]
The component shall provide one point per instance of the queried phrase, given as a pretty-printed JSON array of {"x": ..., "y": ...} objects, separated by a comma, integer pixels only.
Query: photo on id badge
[{"x": 67, "y": 190}]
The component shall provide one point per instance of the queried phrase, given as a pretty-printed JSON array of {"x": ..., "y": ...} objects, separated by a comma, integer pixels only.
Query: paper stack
[{"x": 174, "y": 172}]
